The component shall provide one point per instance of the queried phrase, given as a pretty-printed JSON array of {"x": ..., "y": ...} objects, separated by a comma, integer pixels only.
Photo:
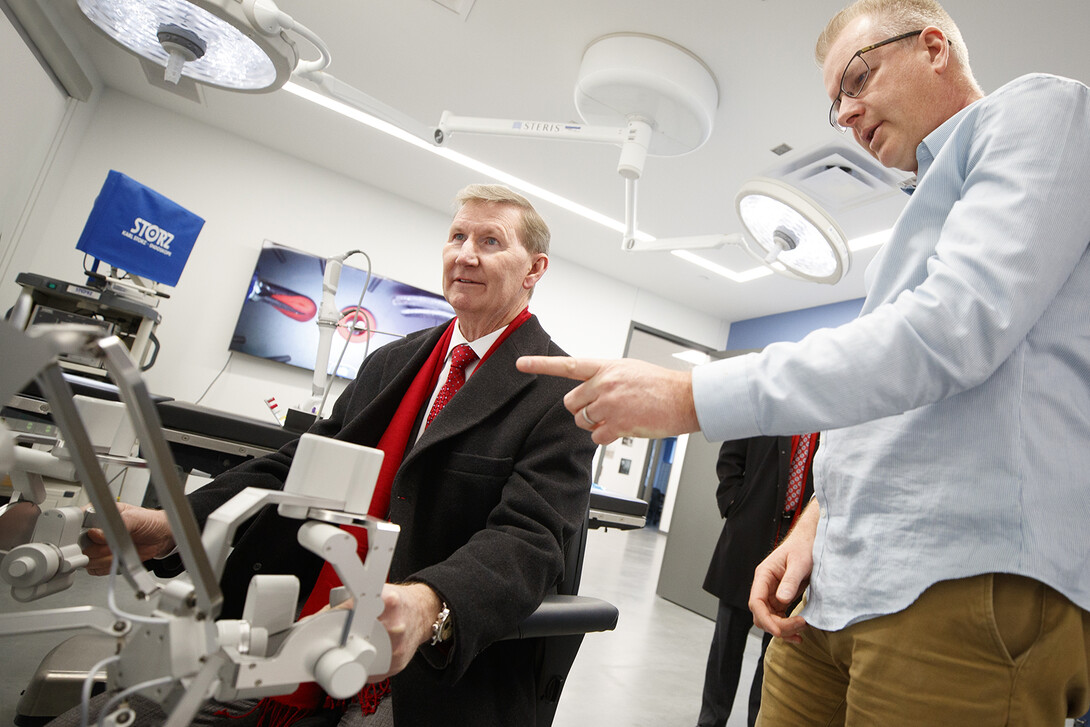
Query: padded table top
[
  {"x": 610, "y": 509},
  {"x": 216, "y": 424}
]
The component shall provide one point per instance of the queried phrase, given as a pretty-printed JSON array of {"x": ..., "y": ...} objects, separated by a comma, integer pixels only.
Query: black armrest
[{"x": 567, "y": 615}]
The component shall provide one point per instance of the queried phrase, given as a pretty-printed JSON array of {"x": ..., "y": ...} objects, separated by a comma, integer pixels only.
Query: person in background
[
  {"x": 946, "y": 553},
  {"x": 764, "y": 482},
  {"x": 487, "y": 480}
]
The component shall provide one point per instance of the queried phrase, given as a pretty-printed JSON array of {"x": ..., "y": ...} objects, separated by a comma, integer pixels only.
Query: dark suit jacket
[
  {"x": 752, "y": 486},
  {"x": 486, "y": 500}
]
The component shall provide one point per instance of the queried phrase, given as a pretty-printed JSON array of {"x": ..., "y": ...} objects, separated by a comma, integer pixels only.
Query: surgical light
[
  {"x": 237, "y": 45},
  {"x": 790, "y": 229}
]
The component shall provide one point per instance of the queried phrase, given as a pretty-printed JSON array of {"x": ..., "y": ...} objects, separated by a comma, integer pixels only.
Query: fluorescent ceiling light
[
  {"x": 872, "y": 240},
  {"x": 466, "y": 161},
  {"x": 694, "y": 357},
  {"x": 742, "y": 277}
]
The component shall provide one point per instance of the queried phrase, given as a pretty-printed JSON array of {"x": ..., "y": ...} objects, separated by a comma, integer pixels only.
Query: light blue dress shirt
[{"x": 958, "y": 403}]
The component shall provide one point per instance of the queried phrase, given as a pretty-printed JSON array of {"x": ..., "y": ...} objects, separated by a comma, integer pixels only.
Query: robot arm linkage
[{"x": 178, "y": 655}]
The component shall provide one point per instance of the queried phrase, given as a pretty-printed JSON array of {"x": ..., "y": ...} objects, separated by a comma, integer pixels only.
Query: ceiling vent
[{"x": 857, "y": 191}]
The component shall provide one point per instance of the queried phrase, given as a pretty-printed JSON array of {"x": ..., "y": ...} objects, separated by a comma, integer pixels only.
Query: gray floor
[
  {"x": 647, "y": 672},
  {"x": 650, "y": 670}
]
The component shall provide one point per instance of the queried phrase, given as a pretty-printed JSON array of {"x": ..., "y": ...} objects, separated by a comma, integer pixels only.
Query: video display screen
[{"x": 279, "y": 317}]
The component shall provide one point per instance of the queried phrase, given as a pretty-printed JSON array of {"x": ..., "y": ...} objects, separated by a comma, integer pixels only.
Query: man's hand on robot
[
  {"x": 408, "y": 612},
  {"x": 150, "y": 534}
]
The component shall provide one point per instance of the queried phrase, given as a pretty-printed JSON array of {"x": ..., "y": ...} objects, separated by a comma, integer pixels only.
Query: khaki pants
[{"x": 985, "y": 651}]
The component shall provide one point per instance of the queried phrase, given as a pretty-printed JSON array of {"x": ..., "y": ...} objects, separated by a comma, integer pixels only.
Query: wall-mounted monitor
[{"x": 278, "y": 320}]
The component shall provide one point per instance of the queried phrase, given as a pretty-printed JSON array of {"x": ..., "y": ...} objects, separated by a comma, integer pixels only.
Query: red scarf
[{"x": 309, "y": 697}]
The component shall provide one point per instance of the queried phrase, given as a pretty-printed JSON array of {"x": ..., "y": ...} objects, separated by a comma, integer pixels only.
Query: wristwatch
[{"x": 443, "y": 628}]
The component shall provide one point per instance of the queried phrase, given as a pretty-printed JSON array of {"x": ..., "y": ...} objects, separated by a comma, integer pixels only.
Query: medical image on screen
[{"x": 279, "y": 317}]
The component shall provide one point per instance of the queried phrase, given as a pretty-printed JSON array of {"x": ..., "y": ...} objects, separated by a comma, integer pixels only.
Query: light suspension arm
[
  {"x": 634, "y": 140},
  {"x": 334, "y": 89},
  {"x": 694, "y": 242},
  {"x": 271, "y": 20}
]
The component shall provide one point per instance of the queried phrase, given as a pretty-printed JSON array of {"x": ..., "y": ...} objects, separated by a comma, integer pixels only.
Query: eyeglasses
[{"x": 856, "y": 74}]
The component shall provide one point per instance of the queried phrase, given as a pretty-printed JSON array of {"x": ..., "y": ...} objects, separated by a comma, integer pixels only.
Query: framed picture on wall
[{"x": 278, "y": 320}]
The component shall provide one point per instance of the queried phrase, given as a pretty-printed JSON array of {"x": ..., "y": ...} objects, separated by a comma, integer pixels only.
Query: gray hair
[{"x": 533, "y": 233}]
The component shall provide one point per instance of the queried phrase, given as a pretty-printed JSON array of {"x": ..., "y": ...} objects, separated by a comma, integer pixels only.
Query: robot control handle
[{"x": 340, "y": 672}]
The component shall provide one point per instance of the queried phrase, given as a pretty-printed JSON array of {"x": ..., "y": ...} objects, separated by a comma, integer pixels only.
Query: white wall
[
  {"x": 248, "y": 193},
  {"x": 672, "y": 484},
  {"x": 628, "y": 454},
  {"x": 36, "y": 116}
]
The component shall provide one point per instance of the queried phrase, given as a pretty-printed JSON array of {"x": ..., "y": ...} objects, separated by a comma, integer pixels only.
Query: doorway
[{"x": 647, "y": 468}]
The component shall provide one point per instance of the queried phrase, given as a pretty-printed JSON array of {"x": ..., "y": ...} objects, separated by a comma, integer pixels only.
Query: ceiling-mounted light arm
[
  {"x": 634, "y": 140},
  {"x": 693, "y": 242},
  {"x": 630, "y": 166},
  {"x": 452, "y": 124},
  {"x": 785, "y": 230},
  {"x": 336, "y": 90},
  {"x": 269, "y": 19},
  {"x": 630, "y": 194}
]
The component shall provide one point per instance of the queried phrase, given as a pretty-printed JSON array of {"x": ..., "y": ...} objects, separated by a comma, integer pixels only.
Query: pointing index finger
[{"x": 579, "y": 369}]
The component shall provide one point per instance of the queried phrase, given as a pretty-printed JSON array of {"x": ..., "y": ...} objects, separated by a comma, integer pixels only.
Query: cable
[
  {"x": 198, "y": 401},
  {"x": 92, "y": 273},
  {"x": 88, "y": 685},
  {"x": 351, "y": 328},
  {"x": 111, "y": 600},
  {"x": 155, "y": 353},
  {"x": 121, "y": 473}
]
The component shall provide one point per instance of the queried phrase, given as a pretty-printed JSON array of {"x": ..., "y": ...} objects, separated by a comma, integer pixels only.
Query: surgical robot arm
[{"x": 179, "y": 655}]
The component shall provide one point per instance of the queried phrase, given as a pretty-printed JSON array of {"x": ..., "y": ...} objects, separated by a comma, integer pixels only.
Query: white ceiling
[{"x": 520, "y": 58}]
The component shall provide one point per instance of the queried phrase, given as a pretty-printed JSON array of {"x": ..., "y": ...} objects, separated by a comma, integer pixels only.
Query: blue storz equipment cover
[{"x": 135, "y": 228}]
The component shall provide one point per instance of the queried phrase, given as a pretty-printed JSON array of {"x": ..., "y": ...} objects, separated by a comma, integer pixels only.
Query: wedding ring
[{"x": 590, "y": 422}]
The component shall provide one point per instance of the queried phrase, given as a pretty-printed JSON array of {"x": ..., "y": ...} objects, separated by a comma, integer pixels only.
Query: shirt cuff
[{"x": 722, "y": 399}]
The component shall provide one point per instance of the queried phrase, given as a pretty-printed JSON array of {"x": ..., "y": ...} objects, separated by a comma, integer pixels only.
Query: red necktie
[
  {"x": 461, "y": 357},
  {"x": 797, "y": 474}
]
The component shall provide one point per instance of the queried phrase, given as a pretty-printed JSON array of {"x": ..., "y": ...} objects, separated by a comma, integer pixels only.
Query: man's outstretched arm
[{"x": 623, "y": 397}]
